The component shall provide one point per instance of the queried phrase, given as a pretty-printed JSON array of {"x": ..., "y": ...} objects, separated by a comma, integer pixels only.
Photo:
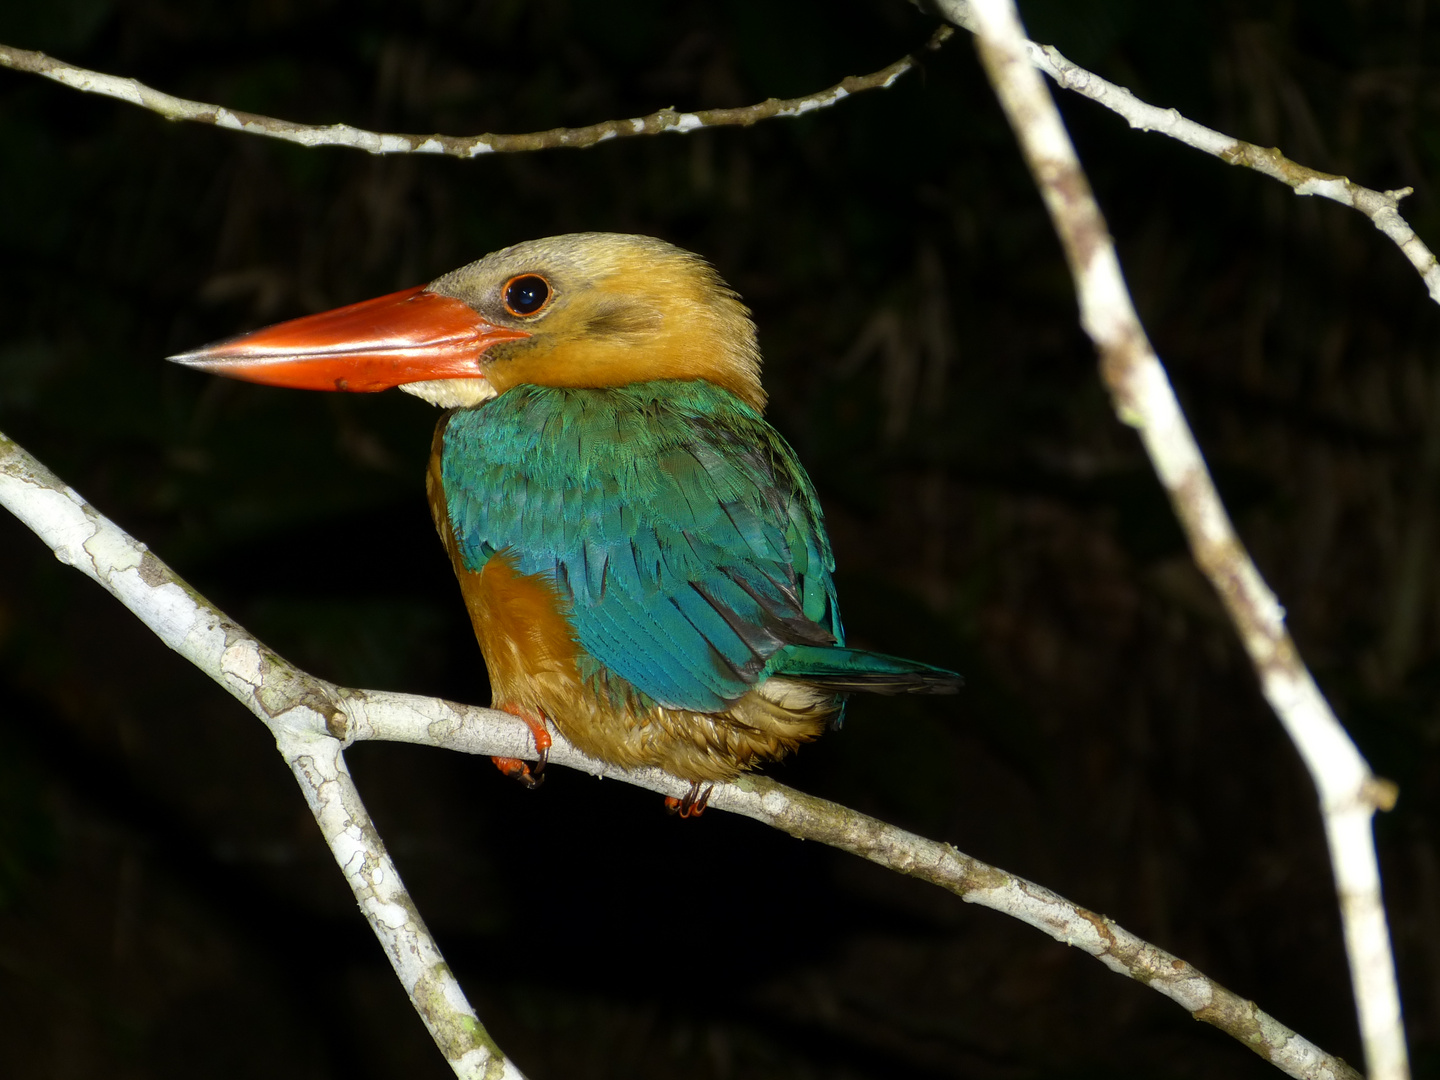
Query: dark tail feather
[{"x": 845, "y": 670}]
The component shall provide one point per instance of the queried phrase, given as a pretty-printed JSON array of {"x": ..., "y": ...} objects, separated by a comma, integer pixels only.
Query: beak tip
[{"x": 195, "y": 361}]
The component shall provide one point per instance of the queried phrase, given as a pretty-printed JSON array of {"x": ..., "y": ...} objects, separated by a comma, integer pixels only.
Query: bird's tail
[{"x": 832, "y": 667}]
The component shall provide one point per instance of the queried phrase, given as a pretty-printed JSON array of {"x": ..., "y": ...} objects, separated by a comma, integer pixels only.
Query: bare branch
[
  {"x": 1143, "y": 398},
  {"x": 174, "y": 108},
  {"x": 403, "y": 718},
  {"x": 297, "y": 709},
  {"x": 1381, "y": 207},
  {"x": 314, "y": 720}
]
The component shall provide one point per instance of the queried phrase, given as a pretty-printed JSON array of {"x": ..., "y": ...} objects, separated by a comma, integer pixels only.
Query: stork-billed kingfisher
[{"x": 642, "y": 555}]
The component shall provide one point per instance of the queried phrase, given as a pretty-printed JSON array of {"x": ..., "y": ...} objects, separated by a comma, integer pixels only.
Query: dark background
[{"x": 166, "y": 905}]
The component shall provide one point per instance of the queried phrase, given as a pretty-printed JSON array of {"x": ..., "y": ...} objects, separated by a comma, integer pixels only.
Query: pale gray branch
[
  {"x": 469, "y": 146},
  {"x": 1143, "y": 398},
  {"x": 297, "y": 708},
  {"x": 1381, "y": 207},
  {"x": 314, "y": 720}
]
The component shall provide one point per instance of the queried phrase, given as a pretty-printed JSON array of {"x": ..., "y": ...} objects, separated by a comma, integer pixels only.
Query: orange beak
[{"x": 408, "y": 336}]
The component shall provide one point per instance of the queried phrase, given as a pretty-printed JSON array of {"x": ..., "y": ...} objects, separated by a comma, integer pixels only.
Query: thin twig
[
  {"x": 1143, "y": 398},
  {"x": 1381, "y": 207},
  {"x": 174, "y": 108},
  {"x": 314, "y": 720}
]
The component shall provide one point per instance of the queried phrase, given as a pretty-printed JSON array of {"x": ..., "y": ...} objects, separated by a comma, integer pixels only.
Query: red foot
[
  {"x": 694, "y": 802},
  {"x": 517, "y": 769},
  {"x": 543, "y": 741}
]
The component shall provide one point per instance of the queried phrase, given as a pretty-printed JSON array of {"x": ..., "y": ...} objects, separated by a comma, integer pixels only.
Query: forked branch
[
  {"x": 1381, "y": 207},
  {"x": 313, "y": 721},
  {"x": 1349, "y": 792}
]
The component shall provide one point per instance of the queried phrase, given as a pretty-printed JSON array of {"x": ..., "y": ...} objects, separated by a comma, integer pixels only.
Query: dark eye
[{"x": 526, "y": 294}]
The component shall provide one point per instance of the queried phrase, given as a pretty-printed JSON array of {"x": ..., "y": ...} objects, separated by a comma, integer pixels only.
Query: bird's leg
[
  {"x": 517, "y": 769},
  {"x": 694, "y": 802}
]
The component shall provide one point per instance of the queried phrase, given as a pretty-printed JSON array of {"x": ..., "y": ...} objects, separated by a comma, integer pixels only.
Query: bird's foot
[
  {"x": 694, "y": 802},
  {"x": 531, "y": 777},
  {"x": 516, "y": 769},
  {"x": 543, "y": 741}
]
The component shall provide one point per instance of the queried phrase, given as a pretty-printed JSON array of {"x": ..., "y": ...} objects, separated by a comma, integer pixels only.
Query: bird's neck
[
  {"x": 610, "y": 365},
  {"x": 681, "y": 396}
]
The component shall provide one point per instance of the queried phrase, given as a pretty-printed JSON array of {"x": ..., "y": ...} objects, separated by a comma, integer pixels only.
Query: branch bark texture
[
  {"x": 313, "y": 721},
  {"x": 1143, "y": 398},
  {"x": 467, "y": 146},
  {"x": 297, "y": 708},
  {"x": 1381, "y": 207}
]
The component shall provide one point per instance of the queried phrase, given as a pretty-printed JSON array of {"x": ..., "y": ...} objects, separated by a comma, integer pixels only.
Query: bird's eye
[{"x": 526, "y": 294}]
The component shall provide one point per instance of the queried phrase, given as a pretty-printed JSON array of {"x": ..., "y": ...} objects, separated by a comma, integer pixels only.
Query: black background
[{"x": 166, "y": 905}]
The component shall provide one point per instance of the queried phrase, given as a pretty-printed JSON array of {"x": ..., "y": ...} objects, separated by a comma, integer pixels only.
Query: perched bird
[{"x": 642, "y": 555}]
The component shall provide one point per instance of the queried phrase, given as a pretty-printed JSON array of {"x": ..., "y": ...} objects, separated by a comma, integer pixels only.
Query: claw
[
  {"x": 517, "y": 770},
  {"x": 531, "y": 776},
  {"x": 543, "y": 741},
  {"x": 694, "y": 802},
  {"x": 698, "y": 807}
]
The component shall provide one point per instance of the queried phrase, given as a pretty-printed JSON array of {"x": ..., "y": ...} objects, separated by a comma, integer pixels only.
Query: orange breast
[
  {"x": 531, "y": 654},
  {"x": 519, "y": 620},
  {"x": 527, "y": 642}
]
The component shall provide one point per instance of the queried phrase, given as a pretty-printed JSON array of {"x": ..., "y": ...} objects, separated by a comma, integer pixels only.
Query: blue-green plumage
[
  {"x": 642, "y": 556},
  {"x": 675, "y": 521}
]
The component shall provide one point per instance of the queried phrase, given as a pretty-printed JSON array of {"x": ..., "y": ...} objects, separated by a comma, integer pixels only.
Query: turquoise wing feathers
[{"x": 677, "y": 523}]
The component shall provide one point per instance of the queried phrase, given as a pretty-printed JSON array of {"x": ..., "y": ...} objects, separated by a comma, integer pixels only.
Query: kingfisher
[{"x": 642, "y": 555}]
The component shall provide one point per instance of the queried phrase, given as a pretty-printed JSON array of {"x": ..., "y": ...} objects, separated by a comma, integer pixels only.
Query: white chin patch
[{"x": 451, "y": 393}]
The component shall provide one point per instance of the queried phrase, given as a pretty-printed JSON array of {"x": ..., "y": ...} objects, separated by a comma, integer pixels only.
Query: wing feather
[{"x": 676, "y": 522}]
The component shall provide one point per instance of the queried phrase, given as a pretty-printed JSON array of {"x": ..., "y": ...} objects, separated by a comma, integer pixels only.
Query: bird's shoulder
[
  {"x": 674, "y": 520},
  {"x": 679, "y": 449}
]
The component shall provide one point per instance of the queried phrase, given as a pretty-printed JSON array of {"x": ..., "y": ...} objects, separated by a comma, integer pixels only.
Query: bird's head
[{"x": 585, "y": 310}]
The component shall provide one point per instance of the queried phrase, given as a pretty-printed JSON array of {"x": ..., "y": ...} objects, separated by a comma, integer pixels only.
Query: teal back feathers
[
  {"x": 679, "y": 527},
  {"x": 675, "y": 521},
  {"x": 642, "y": 555}
]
